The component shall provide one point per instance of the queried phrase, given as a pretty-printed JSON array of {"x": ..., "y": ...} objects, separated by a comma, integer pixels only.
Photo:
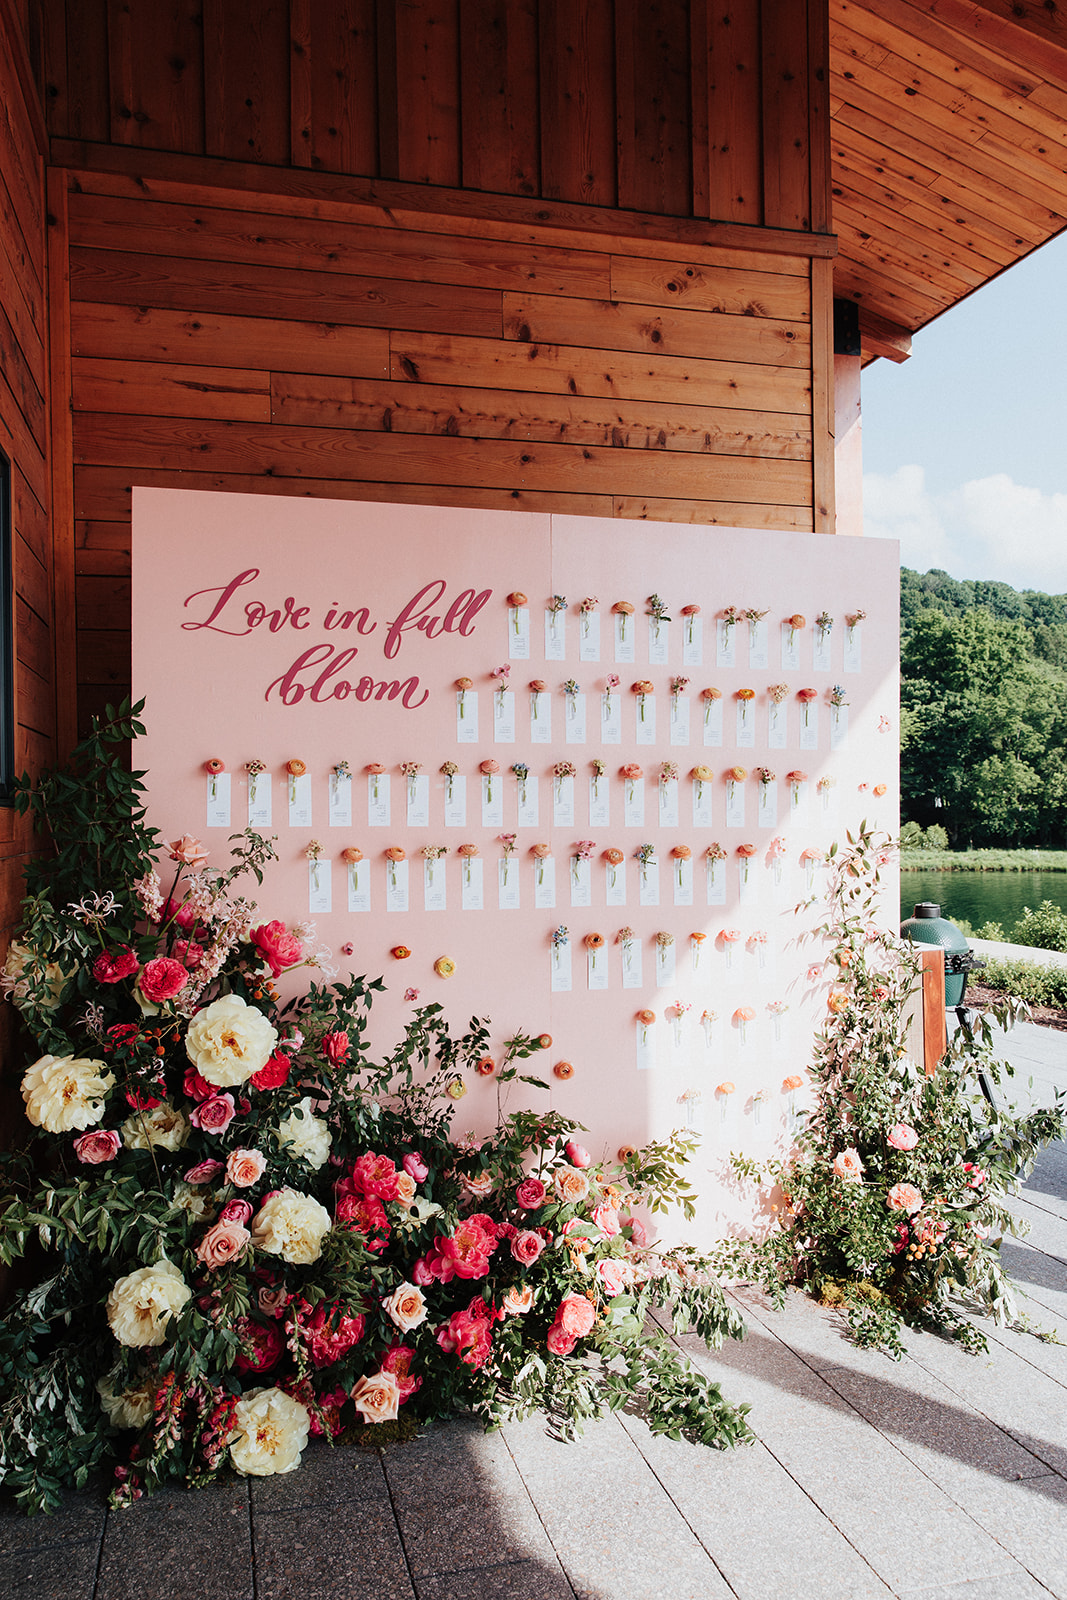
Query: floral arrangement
[
  {"x": 642, "y": 689},
  {"x": 610, "y": 682},
  {"x": 248, "y": 1232},
  {"x": 893, "y": 1202}
]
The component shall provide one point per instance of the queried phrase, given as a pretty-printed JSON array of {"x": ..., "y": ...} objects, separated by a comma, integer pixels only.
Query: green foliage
[
  {"x": 892, "y": 1204},
  {"x": 1025, "y": 980},
  {"x": 982, "y": 860},
  {"x": 912, "y": 837},
  {"x": 1043, "y": 929}
]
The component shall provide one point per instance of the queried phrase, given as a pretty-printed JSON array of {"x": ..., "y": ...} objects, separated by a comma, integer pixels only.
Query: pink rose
[
  {"x": 904, "y": 1197},
  {"x": 612, "y": 1275},
  {"x": 377, "y": 1397},
  {"x": 639, "y": 1233},
  {"x": 577, "y": 1154},
  {"x": 517, "y": 1302},
  {"x": 405, "y": 1190},
  {"x": 607, "y": 1220},
  {"x": 527, "y": 1246},
  {"x": 161, "y": 979},
  {"x": 335, "y": 1047},
  {"x": 222, "y": 1243},
  {"x": 188, "y": 952},
  {"x": 245, "y": 1167},
  {"x": 559, "y": 1342},
  {"x": 273, "y": 1299},
  {"x": 278, "y": 947},
  {"x": 847, "y": 1165},
  {"x": 902, "y": 1137},
  {"x": 180, "y": 912},
  {"x": 530, "y": 1194},
  {"x": 103, "y": 1144},
  {"x": 203, "y": 1172},
  {"x": 236, "y": 1211},
  {"x": 415, "y": 1166},
  {"x": 189, "y": 851},
  {"x": 576, "y": 1315},
  {"x": 214, "y": 1115},
  {"x": 111, "y": 966}
]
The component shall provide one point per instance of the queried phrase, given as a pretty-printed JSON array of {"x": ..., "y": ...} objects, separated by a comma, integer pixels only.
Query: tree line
[{"x": 983, "y": 710}]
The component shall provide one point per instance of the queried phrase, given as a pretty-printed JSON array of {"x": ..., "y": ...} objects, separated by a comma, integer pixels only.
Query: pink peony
[
  {"x": 902, "y": 1137},
  {"x": 468, "y": 1333},
  {"x": 274, "y": 1074},
  {"x": 577, "y": 1154},
  {"x": 470, "y": 1247},
  {"x": 102, "y": 1144},
  {"x": 245, "y": 1167},
  {"x": 397, "y": 1360},
  {"x": 527, "y": 1246},
  {"x": 366, "y": 1214},
  {"x": 335, "y": 1047},
  {"x": 111, "y": 966},
  {"x": 214, "y": 1115},
  {"x": 559, "y": 1342},
  {"x": 161, "y": 979},
  {"x": 278, "y": 947},
  {"x": 327, "y": 1333},
  {"x": 262, "y": 1345},
  {"x": 374, "y": 1175},
  {"x": 904, "y": 1197},
  {"x": 189, "y": 851},
  {"x": 415, "y": 1166},
  {"x": 221, "y": 1244},
  {"x": 531, "y": 1194}
]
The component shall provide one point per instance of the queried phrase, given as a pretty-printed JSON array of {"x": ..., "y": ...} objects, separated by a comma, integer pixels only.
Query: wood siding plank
[
  {"x": 740, "y": 514},
  {"x": 499, "y": 96},
  {"x": 786, "y": 113},
  {"x": 605, "y": 325},
  {"x": 679, "y": 283},
  {"x": 577, "y": 82},
  {"x": 652, "y": 105},
  {"x": 334, "y": 85},
  {"x": 136, "y": 388},
  {"x": 427, "y": 90},
  {"x": 246, "y": 80},
  {"x": 156, "y": 75}
]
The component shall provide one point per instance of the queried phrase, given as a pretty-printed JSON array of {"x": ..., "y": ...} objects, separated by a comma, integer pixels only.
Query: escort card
[
  {"x": 581, "y": 882},
  {"x": 631, "y": 964},
  {"x": 838, "y": 726},
  {"x": 574, "y": 718},
  {"x": 519, "y": 633},
  {"x": 597, "y": 963},
  {"x": 561, "y": 968},
  {"x": 611, "y": 718},
  {"x": 853, "y": 652},
  {"x": 645, "y": 714},
  {"x": 615, "y": 883},
  {"x": 725, "y": 642},
  {"x": 456, "y": 801},
  {"x": 503, "y": 716},
  {"x": 665, "y": 965},
  {"x": 471, "y": 883},
  {"x": 633, "y": 802},
  {"x": 466, "y": 716},
  {"x": 746, "y": 724},
  {"x": 320, "y": 897},
  {"x": 492, "y": 800},
  {"x": 433, "y": 885},
  {"x": 589, "y": 636},
  {"x": 668, "y": 803},
  {"x": 712, "y": 718},
  {"x": 260, "y": 805},
  {"x": 378, "y": 800},
  {"x": 299, "y": 790},
  {"x": 703, "y": 793},
  {"x": 790, "y": 648},
  {"x": 715, "y": 873},
  {"x": 679, "y": 719},
  {"x": 540, "y": 717},
  {"x": 758, "y": 642},
  {"x": 648, "y": 883},
  {"x": 556, "y": 635},
  {"x": 544, "y": 877},
  {"x": 563, "y": 802},
  {"x": 682, "y": 872},
  {"x": 396, "y": 886},
  {"x": 218, "y": 800},
  {"x": 340, "y": 800},
  {"x": 508, "y": 876},
  {"x": 692, "y": 641},
  {"x": 735, "y": 804},
  {"x": 747, "y": 882},
  {"x": 625, "y": 635},
  {"x": 418, "y": 797},
  {"x": 529, "y": 803},
  {"x": 767, "y": 804},
  {"x": 599, "y": 801},
  {"x": 821, "y": 648},
  {"x": 659, "y": 635},
  {"x": 777, "y": 726},
  {"x": 809, "y": 725},
  {"x": 645, "y": 1046},
  {"x": 359, "y": 876}
]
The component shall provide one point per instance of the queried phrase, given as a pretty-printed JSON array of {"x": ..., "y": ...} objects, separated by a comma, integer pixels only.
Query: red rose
[
  {"x": 111, "y": 966},
  {"x": 335, "y": 1047},
  {"x": 162, "y": 979},
  {"x": 530, "y": 1194},
  {"x": 262, "y": 1345},
  {"x": 278, "y": 947},
  {"x": 196, "y": 1087},
  {"x": 274, "y": 1074}
]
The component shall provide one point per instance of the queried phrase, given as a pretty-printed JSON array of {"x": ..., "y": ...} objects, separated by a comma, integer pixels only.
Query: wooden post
[{"x": 935, "y": 1037}]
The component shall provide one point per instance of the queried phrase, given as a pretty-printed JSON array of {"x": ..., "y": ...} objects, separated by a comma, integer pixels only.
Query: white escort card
[
  {"x": 434, "y": 885},
  {"x": 668, "y": 802},
  {"x": 563, "y": 801},
  {"x": 767, "y": 804},
  {"x": 625, "y": 629},
  {"x": 615, "y": 883},
  {"x": 665, "y": 963},
  {"x": 633, "y": 802},
  {"x": 703, "y": 802},
  {"x": 725, "y": 642},
  {"x": 648, "y": 883},
  {"x": 692, "y": 641},
  {"x": 358, "y": 874},
  {"x": 471, "y": 884},
  {"x": 299, "y": 789},
  {"x": 378, "y": 806},
  {"x": 544, "y": 877},
  {"x": 599, "y": 801},
  {"x": 492, "y": 800},
  {"x": 838, "y": 726},
  {"x": 735, "y": 803},
  {"x": 519, "y": 633},
  {"x": 777, "y": 726},
  {"x": 320, "y": 887},
  {"x": 791, "y": 636},
  {"x": 645, "y": 1045},
  {"x": 396, "y": 886},
  {"x": 260, "y": 803},
  {"x": 645, "y": 715},
  {"x": 822, "y": 646},
  {"x": 659, "y": 636},
  {"x": 503, "y": 716},
  {"x": 561, "y": 967},
  {"x": 218, "y": 800},
  {"x": 746, "y": 724},
  {"x": 712, "y": 719},
  {"x": 339, "y": 791},
  {"x": 466, "y": 716},
  {"x": 540, "y": 716},
  {"x": 455, "y": 801},
  {"x": 556, "y": 634},
  {"x": 508, "y": 875},
  {"x": 418, "y": 796},
  {"x": 852, "y": 658},
  {"x": 597, "y": 964},
  {"x": 589, "y": 635},
  {"x": 758, "y": 642},
  {"x": 529, "y": 801},
  {"x": 715, "y": 874},
  {"x": 679, "y": 719},
  {"x": 611, "y": 717},
  {"x": 574, "y": 718},
  {"x": 809, "y": 725},
  {"x": 682, "y": 872},
  {"x": 581, "y": 881}
]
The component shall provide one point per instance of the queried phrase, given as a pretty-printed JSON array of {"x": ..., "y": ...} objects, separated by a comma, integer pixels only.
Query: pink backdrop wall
[{"x": 263, "y": 629}]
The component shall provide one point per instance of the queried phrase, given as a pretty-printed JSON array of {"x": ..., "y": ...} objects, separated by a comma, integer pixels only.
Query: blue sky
[{"x": 965, "y": 444}]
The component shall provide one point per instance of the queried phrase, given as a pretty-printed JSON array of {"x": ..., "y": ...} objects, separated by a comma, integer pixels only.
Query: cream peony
[
  {"x": 46, "y": 989},
  {"x": 141, "y": 1304},
  {"x": 271, "y": 1430},
  {"x": 164, "y": 1127},
  {"x": 130, "y": 1408},
  {"x": 230, "y": 1041},
  {"x": 292, "y": 1226},
  {"x": 304, "y": 1136},
  {"x": 405, "y": 1307},
  {"x": 66, "y": 1092}
]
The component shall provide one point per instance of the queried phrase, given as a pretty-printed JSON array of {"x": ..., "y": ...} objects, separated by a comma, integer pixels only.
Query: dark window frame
[{"x": 7, "y": 639}]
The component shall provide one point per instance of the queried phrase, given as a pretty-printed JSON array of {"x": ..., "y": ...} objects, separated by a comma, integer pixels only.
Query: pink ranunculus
[
  {"x": 111, "y": 966},
  {"x": 245, "y": 1167},
  {"x": 222, "y": 1243},
  {"x": 577, "y": 1154},
  {"x": 576, "y": 1315},
  {"x": 559, "y": 1341},
  {"x": 189, "y": 851},
  {"x": 527, "y": 1246},
  {"x": 278, "y": 947},
  {"x": 415, "y": 1166},
  {"x": 197, "y": 1087},
  {"x": 335, "y": 1047},
  {"x": 612, "y": 1275},
  {"x": 274, "y": 1074},
  {"x": 531, "y": 1194},
  {"x": 236, "y": 1211},
  {"x": 204, "y": 1172},
  {"x": 902, "y": 1136},
  {"x": 161, "y": 979},
  {"x": 607, "y": 1220},
  {"x": 904, "y": 1197},
  {"x": 102, "y": 1144},
  {"x": 214, "y": 1115}
]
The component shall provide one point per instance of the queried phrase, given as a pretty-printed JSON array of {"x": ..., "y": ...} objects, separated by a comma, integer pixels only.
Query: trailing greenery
[{"x": 892, "y": 1204}]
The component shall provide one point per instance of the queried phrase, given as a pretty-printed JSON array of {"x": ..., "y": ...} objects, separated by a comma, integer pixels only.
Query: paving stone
[
  {"x": 187, "y": 1544},
  {"x": 64, "y": 1571},
  {"x": 450, "y": 1459},
  {"x": 324, "y": 1476},
  {"x": 338, "y": 1552},
  {"x": 472, "y": 1530},
  {"x": 520, "y": 1580},
  {"x": 1041, "y": 1277},
  {"x": 81, "y": 1516},
  {"x": 1004, "y": 1586}
]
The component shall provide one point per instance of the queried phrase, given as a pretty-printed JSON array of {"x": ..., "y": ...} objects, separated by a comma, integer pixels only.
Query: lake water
[{"x": 978, "y": 897}]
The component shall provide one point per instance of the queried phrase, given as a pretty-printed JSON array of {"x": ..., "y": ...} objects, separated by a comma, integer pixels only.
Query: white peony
[
  {"x": 194, "y": 1202},
  {"x": 304, "y": 1136},
  {"x": 229, "y": 1041},
  {"x": 164, "y": 1127},
  {"x": 130, "y": 1408},
  {"x": 291, "y": 1225},
  {"x": 46, "y": 988},
  {"x": 141, "y": 1304},
  {"x": 66, "y": 1092},
  {"x": 271, "y": 1431}
]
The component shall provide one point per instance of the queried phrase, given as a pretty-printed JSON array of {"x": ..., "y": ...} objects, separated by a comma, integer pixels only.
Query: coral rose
[
  {"x": 576, "y": 1315},
  {"x": 278, "y": 947},
  {"x": 377, "y": 1397},
  {"x": 270, "y": 1432},
  {"x": 612, "y": 1275},
  {"x": 66, "y": 1092},
  {"x": 142, "y": 1303},
  {"x": 904, "y": 1197},
  {"x": 189, "y": 851},
  {"x": 221, "y": 1244},
  {"x": 245, "y": 1167},
  {"x": 229, "y": 1041},
  {"x": 559, "y": 1342},
  {"x": 291, "y": 1225},
  {"x": 517, "y": 1302},
  {"x": 847, "y": 1165},
  {"x": 406, "y": 1307},
  {"x": 902, "y": 1137}
]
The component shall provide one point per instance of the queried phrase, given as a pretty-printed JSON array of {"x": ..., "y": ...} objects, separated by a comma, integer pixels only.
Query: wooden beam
[
  {"x": 935, "y": 1037},
  {"x": 62, "y": 468},
  {"x": 879, "y": 337}
]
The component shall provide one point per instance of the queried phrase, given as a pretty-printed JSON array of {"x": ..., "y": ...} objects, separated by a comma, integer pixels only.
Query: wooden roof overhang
[{"x": 949, "y": 151}]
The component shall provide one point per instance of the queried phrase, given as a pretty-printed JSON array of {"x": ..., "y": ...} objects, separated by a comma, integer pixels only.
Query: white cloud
[{"x": 989, "y": 528}]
